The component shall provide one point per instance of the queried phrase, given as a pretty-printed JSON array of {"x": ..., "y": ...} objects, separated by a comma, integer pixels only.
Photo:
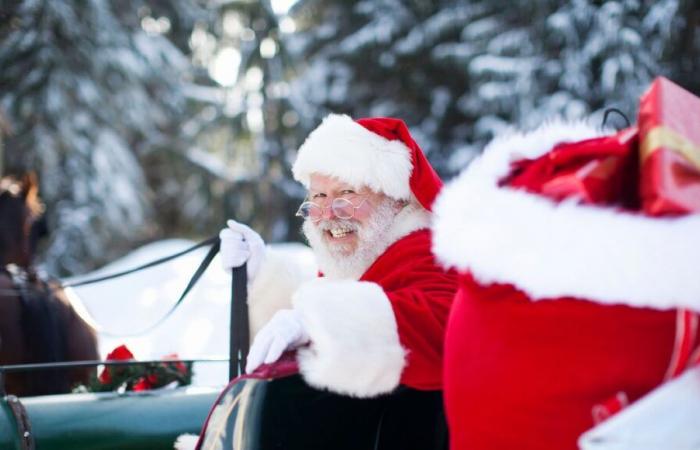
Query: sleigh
[
  {"x": 144, "y": 420},
  {"x": 149, "y": 419},
  {"x": 273, "y": 408},
  {"x": 251, "y": 414}
]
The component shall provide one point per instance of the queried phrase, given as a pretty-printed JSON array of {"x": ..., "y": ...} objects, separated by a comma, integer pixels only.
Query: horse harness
[
  {"x": 40, "y": 323},
  {"x": 25, "y": 283},
  {"x": 20, "y": 281}
]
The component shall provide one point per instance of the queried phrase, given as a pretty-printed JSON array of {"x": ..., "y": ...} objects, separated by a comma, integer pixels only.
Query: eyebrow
[{"x": 325, "y": 191}]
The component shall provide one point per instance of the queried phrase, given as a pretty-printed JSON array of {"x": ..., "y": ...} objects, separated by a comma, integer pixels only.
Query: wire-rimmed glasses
[{"x": 342, "y": 208}]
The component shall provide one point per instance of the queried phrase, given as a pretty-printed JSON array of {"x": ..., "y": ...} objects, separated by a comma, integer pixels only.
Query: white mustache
[{"x": 347, "y": 225}]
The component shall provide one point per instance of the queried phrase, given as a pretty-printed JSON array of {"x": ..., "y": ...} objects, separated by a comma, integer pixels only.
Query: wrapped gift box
[{"x": 669, "y": 133}]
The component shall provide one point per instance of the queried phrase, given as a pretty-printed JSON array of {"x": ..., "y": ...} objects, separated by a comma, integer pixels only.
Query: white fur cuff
[{"x": 355, "y": 346}]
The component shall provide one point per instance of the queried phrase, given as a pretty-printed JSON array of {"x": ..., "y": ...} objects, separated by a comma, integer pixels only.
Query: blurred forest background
[{"x": 151, "y": 119}]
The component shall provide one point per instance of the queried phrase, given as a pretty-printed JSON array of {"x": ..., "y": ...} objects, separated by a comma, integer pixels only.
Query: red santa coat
[
  {"x": 420, "y": 293},
  {"x": 554, "y": 315},
  {"x": 384, "y": 329}
]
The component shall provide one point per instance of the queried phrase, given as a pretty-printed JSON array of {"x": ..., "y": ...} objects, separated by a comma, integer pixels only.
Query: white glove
[
  {"x": 240, "y": 244},
  {"x": 283, "y": 332}
]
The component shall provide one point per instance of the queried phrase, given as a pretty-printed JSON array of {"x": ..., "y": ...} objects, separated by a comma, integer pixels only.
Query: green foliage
[{"x": 139, "y": 377}]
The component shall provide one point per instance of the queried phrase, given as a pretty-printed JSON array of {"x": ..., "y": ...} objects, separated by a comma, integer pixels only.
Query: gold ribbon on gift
[{"x": 663, "y": 136}]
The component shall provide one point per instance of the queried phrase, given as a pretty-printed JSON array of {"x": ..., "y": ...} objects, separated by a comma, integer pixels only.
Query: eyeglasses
[{"x": 342, "y": 208}]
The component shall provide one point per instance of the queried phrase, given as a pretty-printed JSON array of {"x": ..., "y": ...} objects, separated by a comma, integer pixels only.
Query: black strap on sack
[{"x": 609, "y": 111}]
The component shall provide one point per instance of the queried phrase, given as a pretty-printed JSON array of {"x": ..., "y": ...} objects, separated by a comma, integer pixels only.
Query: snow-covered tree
[
  {"x": 91, "y": 88},
  {"x": 146, "y": 118},
  {"x": 4, "y": 129},
  {"x": 361, "y": 58},
  {"x": 460, "y": 72},
  {"x": 248, "y": 124}
]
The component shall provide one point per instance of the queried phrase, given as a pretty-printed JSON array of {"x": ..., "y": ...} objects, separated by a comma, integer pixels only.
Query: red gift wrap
[
  {"x": 599, "y": 171},
  {"x": 669, "y": 151}
]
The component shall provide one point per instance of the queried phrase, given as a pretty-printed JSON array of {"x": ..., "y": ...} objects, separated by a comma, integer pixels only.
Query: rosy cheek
[{"x": 363, "y": 212}]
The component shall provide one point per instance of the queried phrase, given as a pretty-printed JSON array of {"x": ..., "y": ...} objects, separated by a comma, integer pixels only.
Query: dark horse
[{"x": 37, "y": 322}]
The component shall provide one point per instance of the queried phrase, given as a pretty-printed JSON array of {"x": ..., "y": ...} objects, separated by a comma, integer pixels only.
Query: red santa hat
[{"x": 375, "y": 152}]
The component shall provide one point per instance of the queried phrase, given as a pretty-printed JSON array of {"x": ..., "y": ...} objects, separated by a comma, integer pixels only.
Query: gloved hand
[
  {"x": 283, "y": 332},
  {"x": 240, "y": 244}
]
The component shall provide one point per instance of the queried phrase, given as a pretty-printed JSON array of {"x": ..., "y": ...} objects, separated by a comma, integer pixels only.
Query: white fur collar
[
  {"x": 411, "y": 218},
  {"x": 551, "y": 249}
]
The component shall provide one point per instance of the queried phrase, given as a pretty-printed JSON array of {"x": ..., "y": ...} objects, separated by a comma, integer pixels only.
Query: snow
[
  {"x": 210, "y": 163},
  {"x": 500, "y": 65},
  {"x": 121, "y": 309}
]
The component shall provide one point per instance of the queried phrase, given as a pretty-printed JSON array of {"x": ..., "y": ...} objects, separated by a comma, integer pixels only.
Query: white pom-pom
[{"x": 186, "y": 442}]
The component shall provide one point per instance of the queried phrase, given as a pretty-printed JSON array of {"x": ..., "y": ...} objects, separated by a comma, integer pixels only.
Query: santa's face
[
  {"x": 347, "y": 245},
  {"x": 342, "y": 233}
]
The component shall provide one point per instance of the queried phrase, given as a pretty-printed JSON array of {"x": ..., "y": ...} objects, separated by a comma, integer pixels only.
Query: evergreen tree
[
  {"x": 119, "y": 107},
  {"x": 460, "y": 72},
  {"x": 90, "y": 91},
  {"x": 249, "y": 129}
]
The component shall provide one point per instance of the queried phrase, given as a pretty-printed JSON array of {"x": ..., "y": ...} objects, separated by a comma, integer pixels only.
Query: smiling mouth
[{"x": 338, "y": 233}]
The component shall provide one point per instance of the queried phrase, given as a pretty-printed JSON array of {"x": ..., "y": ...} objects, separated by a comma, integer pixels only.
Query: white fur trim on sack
[
  {"x": 342, "y": 148},
  {"x": 355, "y": 348},
  {"x": 551, "y": 249},
  {"x": 284, "y": 268}
]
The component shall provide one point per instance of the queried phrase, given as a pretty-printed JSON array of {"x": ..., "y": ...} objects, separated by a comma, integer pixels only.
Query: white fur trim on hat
[
  {"x": 355, "y": 348},
  {"x": 344, "y": 149},
  {"x": 552, "y": 249}
]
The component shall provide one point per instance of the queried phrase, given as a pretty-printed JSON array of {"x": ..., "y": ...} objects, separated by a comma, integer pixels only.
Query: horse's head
[{"x": 20, "y": 224}]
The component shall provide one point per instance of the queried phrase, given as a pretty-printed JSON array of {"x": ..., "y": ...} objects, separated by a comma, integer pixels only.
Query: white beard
[{"x": 372, "y": 240}]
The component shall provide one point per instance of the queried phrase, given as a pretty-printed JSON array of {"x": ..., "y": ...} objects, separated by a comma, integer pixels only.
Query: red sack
[
  {"x": 541, "y": 343},
  {"x": 598, "y": 171}
]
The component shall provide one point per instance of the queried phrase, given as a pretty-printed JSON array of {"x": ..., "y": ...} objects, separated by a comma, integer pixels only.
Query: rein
[
  {"x": 239, "y": 334},
  {"x": 213, "y": 241}
]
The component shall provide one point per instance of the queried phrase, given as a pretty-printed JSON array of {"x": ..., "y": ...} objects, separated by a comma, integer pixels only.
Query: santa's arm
[
  {"x": 366, "y": 341},
  {"x": 284, "y": 268}
]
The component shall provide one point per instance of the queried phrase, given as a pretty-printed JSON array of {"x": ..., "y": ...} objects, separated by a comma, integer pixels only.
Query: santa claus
[
  {"x": 566, "y": 309},
  {"x": 376, "y": 315}
]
